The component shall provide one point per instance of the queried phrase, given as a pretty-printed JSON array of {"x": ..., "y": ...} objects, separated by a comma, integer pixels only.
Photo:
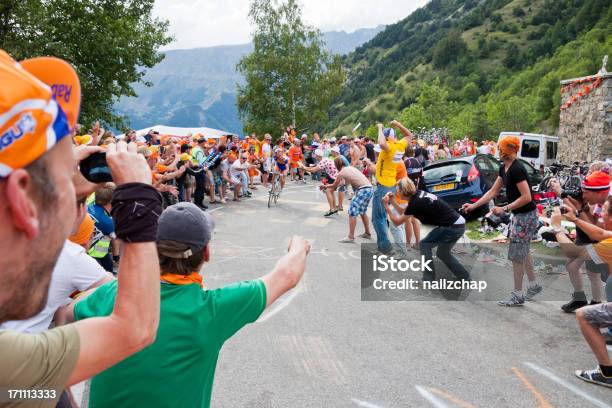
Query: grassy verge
[{"x": 472, "y": 232}]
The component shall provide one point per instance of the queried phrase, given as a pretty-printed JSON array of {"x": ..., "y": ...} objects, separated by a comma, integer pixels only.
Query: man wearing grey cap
[{"x": 178, "y": 368}]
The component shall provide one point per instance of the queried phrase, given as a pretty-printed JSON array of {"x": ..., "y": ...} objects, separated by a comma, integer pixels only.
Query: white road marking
[
  {"x": 215, "y": 209},
  {"x": 432, "y": 399},
  {"x": 567, "y": 385},
  {"x": 364, "y": 404},
  {"x": 281, "y": 303},
  {"x": 354, "y": 254}
]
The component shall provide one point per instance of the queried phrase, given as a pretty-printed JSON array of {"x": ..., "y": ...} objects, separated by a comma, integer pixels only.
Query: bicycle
[
  {"x": 275, "y": 189},
  {"x": 569, "y": 177}
]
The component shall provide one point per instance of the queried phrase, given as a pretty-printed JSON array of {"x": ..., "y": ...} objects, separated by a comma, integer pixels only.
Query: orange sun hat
[
  {"x": 40, "y": 100},
  {"x": 509, "y": 144},
  {"x": 85, "y": 231}
]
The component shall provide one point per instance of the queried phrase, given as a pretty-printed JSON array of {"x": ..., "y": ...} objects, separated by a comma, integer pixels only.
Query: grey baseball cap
[{"x": 187, "y": 224}]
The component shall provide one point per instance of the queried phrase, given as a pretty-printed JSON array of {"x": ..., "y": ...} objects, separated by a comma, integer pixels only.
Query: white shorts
[{"x": 267, "y": 166}]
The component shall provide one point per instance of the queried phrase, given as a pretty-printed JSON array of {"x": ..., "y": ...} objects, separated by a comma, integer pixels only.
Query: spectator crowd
[{"x": 101, "y": 280}]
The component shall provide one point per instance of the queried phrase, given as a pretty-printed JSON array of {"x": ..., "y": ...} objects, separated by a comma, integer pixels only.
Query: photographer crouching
[
  {"x": 586, "y": 203},
  {"x": 595, "y": 317}
]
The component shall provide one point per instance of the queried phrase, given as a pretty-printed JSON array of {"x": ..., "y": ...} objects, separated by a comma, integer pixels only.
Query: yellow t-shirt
[
  {"x": 601, "y": 252},
  {"x": 386, "y": 166}
]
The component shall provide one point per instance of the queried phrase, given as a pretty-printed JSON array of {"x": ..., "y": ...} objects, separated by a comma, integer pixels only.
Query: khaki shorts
[{"x": 599, "y": 315}]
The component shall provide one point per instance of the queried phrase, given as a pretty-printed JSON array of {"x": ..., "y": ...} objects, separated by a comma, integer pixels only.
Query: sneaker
[
  {"x": 576, "y": 303},
  {"x": 513, "y": 301},
  {"x": 365, "y": 235},
  {"x": 532, "y": 291},
  {"x": 347, "y": 240},
  {"x": 594, "y": 376},
  {"x": 223, "y": 201}
]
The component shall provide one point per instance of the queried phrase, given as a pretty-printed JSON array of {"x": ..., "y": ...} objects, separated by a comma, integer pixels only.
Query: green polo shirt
[{"x": 178, "y": 369}]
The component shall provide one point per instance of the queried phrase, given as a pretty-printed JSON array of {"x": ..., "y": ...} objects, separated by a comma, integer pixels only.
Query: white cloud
[{"x": 204, "y": 23}]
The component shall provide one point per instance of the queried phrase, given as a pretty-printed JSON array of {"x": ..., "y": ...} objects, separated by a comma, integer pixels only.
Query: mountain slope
[
  {"x": 196, "y": 87},
  {"x": 477, "y": 49}
]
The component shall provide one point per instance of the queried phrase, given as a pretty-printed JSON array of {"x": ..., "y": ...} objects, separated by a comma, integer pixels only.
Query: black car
[{"x": 465, "y": 179}]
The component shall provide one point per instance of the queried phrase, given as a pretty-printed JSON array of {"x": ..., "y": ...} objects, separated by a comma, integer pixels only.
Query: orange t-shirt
[
  {"x": 295, "y": 155},
  {"x": 252, "y": 170},
  {"x": 400, "y": 174}
]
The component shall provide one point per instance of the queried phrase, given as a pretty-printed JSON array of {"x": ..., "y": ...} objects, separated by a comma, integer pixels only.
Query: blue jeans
[
  {"x": 181, "y": 192},
  {"x": 399, "y": 234},
  {"x": 244, "y": 177},
  {"x": 445, "y": 239},
  {"x": 379, "y": 218}
]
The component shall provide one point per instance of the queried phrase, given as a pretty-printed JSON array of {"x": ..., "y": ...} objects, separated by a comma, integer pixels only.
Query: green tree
[
  {"x": 372, "y": 131},
  {"x": 514, "y": 114},
  {"x": 449, "y": 50},
  {"x": 415, "y": 117},
  {"x": 433, "y": 108},
  {"x": 108, "y": 42},
  {"x": 512, "y": 59},
  {"x": 470, "y": 92},
  {"x": 289, "y": 77},
  {"x": 518, "y": 12}
]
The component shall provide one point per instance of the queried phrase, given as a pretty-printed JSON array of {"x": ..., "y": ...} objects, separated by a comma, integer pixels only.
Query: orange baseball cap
[{"x": 40, "y": 101}]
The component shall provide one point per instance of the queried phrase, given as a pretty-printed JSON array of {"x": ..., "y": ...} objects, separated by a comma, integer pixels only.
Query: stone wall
[{"x": 585, "y": 123}]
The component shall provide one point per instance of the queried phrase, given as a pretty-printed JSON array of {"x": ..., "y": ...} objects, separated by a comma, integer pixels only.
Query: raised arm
[
  {"x": 288, "y": 270},
  {"x": 382, "y": 140},
  {"x": 407, "y": 133},
  {"x": 104, "y": 341}
]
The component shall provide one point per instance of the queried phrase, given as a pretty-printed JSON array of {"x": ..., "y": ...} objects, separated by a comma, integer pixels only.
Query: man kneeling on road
[{"x": 179, "y": 368}]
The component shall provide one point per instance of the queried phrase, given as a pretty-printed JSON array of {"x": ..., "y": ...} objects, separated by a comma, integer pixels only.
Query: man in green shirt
[{"x": 178, "y": 369}]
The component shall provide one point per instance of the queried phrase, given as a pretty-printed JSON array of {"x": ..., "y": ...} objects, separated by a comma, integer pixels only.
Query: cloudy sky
[{"x": 205, "y": 23}]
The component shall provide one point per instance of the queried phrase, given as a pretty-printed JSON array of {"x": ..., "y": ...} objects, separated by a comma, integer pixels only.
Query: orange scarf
[{"x": 175, "y": 279}]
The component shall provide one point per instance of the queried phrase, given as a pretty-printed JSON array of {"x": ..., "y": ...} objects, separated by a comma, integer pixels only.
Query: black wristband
[{"x": 136, "y": 207}]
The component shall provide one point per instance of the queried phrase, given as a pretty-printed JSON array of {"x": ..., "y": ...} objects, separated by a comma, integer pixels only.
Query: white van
[{"x": 539, "y": 150}]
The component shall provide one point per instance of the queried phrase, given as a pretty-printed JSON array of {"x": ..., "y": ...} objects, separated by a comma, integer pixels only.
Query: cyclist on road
[{"x": 281, "y": 166}]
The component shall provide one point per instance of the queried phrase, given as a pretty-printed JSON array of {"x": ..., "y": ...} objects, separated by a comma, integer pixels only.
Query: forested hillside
[{"x": 475, "y": 67}]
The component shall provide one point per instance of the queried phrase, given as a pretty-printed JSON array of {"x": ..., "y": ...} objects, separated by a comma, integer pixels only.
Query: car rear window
[{"x": 445, "y": 170}]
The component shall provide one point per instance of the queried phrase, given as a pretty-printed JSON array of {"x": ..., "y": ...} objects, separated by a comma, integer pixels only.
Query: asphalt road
[{"x": 321, "y": 346}]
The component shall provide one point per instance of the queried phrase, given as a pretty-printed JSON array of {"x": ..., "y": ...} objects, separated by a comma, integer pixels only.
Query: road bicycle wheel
[
  {"x": 277, "y": 191},
  {"x": 270, "y": 195}
]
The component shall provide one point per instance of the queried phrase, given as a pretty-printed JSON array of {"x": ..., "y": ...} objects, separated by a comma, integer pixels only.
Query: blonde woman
[{"x": 429, "y": 209}]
